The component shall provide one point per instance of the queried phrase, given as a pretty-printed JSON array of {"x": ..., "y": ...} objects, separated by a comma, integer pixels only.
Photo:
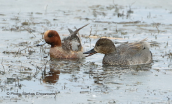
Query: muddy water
[{"x": 27, "y": 75}]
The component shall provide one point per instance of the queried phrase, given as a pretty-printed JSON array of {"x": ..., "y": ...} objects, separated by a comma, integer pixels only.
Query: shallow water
[{"x": 27, "y": 73}]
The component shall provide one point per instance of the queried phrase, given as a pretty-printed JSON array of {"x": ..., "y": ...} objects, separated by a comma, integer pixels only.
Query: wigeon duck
[
  {"x": 68, "y": 48},
  {"x": 124, "y": 54}
]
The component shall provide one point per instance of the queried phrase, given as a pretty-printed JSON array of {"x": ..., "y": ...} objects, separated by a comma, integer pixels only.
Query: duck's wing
[
  {"x": 133, "y": 48},
  {"x": 73, "y": 42},
  {"x": 136, "y": 53}
]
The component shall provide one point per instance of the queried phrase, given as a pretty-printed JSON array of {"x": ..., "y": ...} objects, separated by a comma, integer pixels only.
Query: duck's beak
[
  {"x": 41, "y": 43},
  {"x": 91, "y": 52}
]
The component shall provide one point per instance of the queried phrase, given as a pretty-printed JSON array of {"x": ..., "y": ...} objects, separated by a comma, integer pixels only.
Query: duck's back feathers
[{"x": 133, "y": 48}]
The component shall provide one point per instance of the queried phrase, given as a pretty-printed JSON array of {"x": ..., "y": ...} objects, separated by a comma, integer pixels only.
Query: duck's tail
[{"x": 73, "y": 33}]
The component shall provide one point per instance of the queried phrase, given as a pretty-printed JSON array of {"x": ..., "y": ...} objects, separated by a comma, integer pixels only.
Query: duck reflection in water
[
  {"x": 60, "y": 66},
  {"x": 52, "y": 76}
]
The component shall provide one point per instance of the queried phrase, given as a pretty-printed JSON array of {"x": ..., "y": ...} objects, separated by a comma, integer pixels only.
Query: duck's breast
[{"x": 60, "y": 53}]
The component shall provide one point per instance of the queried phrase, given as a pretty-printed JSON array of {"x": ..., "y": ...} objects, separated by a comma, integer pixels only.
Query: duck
[
  {"x": 125, "y": 54},
  {"x": 68, "y": 48}
]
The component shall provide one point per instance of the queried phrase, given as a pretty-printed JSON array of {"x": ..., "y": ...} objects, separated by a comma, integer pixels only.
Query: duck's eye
[
  {"x": 98, "y": 44},
  {"x": 50, "y": 35}
]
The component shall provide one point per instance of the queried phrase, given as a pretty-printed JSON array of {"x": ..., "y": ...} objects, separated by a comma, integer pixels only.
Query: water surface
[{"x": 27, "y": 74}]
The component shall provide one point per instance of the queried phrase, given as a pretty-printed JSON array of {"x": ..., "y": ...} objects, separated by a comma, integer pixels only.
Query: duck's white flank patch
[{"x": 74, "y": 45}]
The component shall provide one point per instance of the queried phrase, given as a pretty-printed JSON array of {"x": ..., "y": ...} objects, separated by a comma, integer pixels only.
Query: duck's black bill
[{"x": 91, "y": 52}]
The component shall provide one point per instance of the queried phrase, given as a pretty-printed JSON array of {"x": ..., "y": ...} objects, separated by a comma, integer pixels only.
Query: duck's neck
[
  {"x": 111, "y": 51},
  {"x": 57, "y": 43},
  {"x": 52, "y": 46}
]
